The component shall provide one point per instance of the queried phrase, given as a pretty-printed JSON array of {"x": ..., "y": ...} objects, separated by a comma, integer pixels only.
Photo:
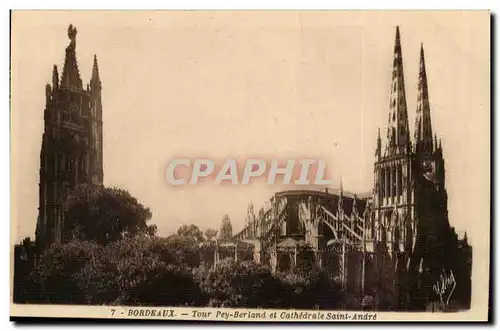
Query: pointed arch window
[
  {"x": 400, "y": 180},
  {"x": 393, "y": 184},
  {"x": 382, "y": 182}
]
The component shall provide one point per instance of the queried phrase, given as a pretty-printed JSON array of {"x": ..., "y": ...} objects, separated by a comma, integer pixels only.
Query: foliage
[
  {"x": 185, "y": 249},
  {"x": 241, "y": 284},
  {"x": 311, "y": 290},
  {"x": 152, "y": 230},
  {"x": 55, "y": 273},
  {"x": 139, "y": 271},
  {"x": 121, "y": 264},
  {"x": 211, "y": 234},
  {"x": 192, "y": 231},
  {"x": 97, "y": 213}
]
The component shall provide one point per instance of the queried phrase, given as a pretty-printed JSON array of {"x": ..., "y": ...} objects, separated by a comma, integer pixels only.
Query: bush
[
  {"x": 309, "y": 291},
  {"x": 242, "y": 284},
  {"x": 55, "y": 277},
  {"x": 139, "y": 271}
]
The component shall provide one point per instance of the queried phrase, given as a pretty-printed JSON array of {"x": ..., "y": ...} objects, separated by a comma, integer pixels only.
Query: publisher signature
[{"x": 445, "y": 284}]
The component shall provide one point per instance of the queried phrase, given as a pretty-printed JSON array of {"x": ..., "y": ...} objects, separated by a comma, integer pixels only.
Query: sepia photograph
[{"x": 250, "y": 166}]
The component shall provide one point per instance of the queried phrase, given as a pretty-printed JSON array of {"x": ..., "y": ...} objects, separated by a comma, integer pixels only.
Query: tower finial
[
  {"x": 70, "y": 74},
  {"x": 72, "y": 35}
]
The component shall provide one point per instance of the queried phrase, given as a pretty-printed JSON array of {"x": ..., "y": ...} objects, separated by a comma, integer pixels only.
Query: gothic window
[
  {"x": 400, "y": 180},
  {"x": 70, "y": 165},
  {"x": 382, "y": 182},
  {"x": 393, "y": 192}
]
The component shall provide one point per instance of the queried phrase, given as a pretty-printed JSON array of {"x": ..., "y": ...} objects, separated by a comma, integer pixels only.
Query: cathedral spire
[
  {"x": 423, "y": 127},
  {"x": 378, "y": 151},
  {"x": 55, "y": 78},
  {"x": 95, "y": 80},
  {"x": 71, "y": 74},
  {"x": 398, "y": 137}
]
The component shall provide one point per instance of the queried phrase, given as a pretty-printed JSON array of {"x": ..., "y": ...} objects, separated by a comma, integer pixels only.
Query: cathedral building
[
  {"x": 72, "y": 148},
  {"x": 395, "y": 244}
]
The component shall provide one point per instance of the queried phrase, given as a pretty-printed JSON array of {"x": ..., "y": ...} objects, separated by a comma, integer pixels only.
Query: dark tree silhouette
[{"x": 104, "y": 214}]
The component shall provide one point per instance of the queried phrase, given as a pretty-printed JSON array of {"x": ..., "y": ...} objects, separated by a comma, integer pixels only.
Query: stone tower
[
  {"x": 409, "y": 196},
  {"x": 72, "y": 148},
  {"x": 393, "y": 195}
]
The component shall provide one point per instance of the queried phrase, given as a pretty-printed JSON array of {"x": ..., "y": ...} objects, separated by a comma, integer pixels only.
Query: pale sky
[{"x": 245, "y": 84}]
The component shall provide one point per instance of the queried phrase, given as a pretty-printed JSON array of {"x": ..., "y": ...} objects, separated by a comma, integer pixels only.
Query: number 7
[{"x": 113, "y": 312}]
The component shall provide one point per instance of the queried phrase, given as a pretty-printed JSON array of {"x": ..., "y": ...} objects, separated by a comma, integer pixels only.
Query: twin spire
[
  {"x": 397, "y": 129},
  {"x": 398, "y": 133},
  {"x": 423, "y": 127},
  {"x": 71, "y": 74}
]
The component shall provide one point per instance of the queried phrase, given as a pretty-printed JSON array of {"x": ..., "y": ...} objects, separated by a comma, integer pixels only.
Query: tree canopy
[{"x": 104, "y": 214}]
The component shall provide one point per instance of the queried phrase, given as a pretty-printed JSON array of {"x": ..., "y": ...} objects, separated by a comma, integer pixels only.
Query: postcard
[{"x": 251, "y": 166}]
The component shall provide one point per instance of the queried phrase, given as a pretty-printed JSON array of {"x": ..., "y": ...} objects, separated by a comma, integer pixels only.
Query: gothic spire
[
  {"x": 55, "y": 78},
  {"x": 71, "y": 74},
  {"x": 423, "y": 127},
  {"x": 95, "y": 80},
  {"x": 378, "y": 151},
  {"x": 398, "y": 137}
]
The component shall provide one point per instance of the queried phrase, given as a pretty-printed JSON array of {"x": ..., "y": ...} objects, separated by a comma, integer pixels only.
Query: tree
[
  {"x": 185, "y": 248},
  {"x": 164, "y": 285},
  {"x": 311, "y": 289},
  {"x": 56, "y": 272},
  {"x": 192, "y": 231},
  {"x": 104, "y": 214},
  {"x": 242, "y": 284},
  {"x": 152, "y": 230},
  {"x": 138, "y": 270},
  {"x": 210, "y": 234}
]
